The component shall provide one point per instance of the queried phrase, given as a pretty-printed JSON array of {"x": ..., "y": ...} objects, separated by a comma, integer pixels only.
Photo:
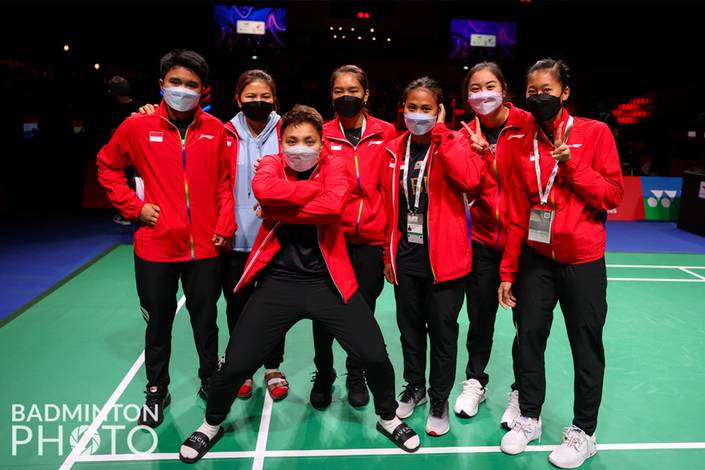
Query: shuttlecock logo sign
[
  {"x": 664, "y": 197},
  {"x": 91, "y": 446}
]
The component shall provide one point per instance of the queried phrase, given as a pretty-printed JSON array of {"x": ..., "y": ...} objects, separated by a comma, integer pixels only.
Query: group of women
[{"x": 509, "y": 211}]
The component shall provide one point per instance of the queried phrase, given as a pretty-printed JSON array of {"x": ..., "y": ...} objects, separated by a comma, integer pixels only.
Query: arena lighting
[
  {"x": 359, "y": 38},
  {"x": 389, "y": 39},
  {"x": 254, "y": 57},
  {"x": 66, "y": 47},
  {"x": 332, "y": 28},
  {"x": 374, "y": 38},
  {"x": 372, "y": 30},
  {"x": 465, "y": 67},
  {"x": 96, "y": 66},
  {"x": 335, "y": 36}
]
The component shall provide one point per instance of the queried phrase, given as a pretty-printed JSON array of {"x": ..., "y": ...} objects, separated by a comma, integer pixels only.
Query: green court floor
[{"x": 81, "y": 347}]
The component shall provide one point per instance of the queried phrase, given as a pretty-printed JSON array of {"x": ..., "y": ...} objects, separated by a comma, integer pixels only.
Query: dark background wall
[{"x": 618, "y": 51}]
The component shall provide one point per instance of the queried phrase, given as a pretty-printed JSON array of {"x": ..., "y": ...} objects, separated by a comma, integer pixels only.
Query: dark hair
[
  {"x": 353, "y": 69},
  {"x": 119, "y": 86},
  {"x": 256, "y": 75},
  {"x": 300, "y": 114},
  {"x": 424, "y": 82},
  {"x": 492, "y": 67},
  {"x": 558, "y": 67},
  {"x": 184, "y": 58}
]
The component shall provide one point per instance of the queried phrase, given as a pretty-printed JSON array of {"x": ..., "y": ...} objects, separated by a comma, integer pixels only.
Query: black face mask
[
  {"x": 257, "y": 110},
  {"x": 348, "y": 106},
  {"x": 543, "y": 106}
]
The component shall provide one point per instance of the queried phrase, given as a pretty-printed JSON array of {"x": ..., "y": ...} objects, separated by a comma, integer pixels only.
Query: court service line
[
  {"x": 640, "y": 279},
  {"x": 80, "y": 446},
  {"x": 261, "y": 448},
  {"x": 654, "y": 266},
  {"x": 388, "y": 451}
]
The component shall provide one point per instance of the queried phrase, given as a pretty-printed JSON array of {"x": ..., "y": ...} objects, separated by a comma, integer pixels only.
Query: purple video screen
[
  {"x": 247, "y": 26},
  {"x": 472, "y": 40}
]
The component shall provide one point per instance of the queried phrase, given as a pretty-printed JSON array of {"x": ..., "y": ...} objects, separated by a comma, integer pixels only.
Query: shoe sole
[
  {"x": 575, "y": 466},
  {"x": 423, "y": 400},
  {"x": 437, "y": 434},
  {"x": 537, "y": 438},
  {"x": 463, "y": 414},
  {"x": 398, "y": 444},
  {"x": 215, "y": 439}
]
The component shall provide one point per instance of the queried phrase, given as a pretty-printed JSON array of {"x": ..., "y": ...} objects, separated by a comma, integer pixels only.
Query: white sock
[
  {"x": 206, "y": 429},
  {"x": 390, "y": 425}
]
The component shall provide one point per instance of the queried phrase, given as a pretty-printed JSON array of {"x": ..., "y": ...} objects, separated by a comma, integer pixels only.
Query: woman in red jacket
[
  {"x": 495, "y": 132},
  {"x": 427, "y": 254},
  {"x": 564, "y": 180},
  {"x": 303, "y": 271},
  {"x": 358, "y": 138}
]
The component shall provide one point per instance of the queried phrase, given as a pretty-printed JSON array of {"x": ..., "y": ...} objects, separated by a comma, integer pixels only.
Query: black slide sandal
[
  {"x": 200, "y": 443},
  {"x": 399, "y": 436}
]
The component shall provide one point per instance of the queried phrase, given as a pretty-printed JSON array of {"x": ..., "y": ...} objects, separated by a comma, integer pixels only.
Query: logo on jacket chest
[{"x": 156, "y": 136}]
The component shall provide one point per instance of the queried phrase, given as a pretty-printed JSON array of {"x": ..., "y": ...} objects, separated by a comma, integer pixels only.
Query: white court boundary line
[
  {"x": 385, "y": 451},
  {"x": 261, "y": 448},
  {"x": 685, "y": 269},
  {"x": 80, "y": 446}
]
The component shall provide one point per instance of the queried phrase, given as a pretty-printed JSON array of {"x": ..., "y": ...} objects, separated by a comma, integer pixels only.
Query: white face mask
[
  {"x": 180, "y": 98},
  {"x": 419, "y": 123},
  {"x": 485, "y": 102},
  {"x": 301, "y": 157}
]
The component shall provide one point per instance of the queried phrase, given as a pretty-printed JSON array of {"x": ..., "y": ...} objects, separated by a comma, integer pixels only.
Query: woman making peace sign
[{"x": 564, "y": 179}]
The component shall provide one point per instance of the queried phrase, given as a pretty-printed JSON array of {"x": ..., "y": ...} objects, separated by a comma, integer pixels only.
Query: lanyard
[
  {"x": 543, "y": 193},
  {"x": 357, "y": 159},
  {"x": 419, "y": 181}
]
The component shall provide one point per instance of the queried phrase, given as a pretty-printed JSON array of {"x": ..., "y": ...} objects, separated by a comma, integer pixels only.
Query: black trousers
[
  {"x": 482, "y": 304},
  {"x": 427, "y": 308},
  {"x": 581, "y": 290},
  {"x": 368, "y": 265},
  {"x": 157, "y": 285},
  {"x": 273, "y": 309},
  {"x": 232, "y": 267}
]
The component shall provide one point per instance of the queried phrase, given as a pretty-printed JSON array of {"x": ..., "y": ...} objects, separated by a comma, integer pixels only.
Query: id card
[
  {"x": 540, "y": 222},
  {"x": 414, "y": 228}
]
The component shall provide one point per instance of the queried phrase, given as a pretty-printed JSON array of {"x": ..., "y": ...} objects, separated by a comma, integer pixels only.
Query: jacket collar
[
  {"x": 334, "y": 130},
  {"x": 164, "y": 113}
]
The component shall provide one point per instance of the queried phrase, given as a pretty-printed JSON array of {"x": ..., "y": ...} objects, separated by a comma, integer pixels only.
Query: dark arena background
[{"x": 71, "y": 332}]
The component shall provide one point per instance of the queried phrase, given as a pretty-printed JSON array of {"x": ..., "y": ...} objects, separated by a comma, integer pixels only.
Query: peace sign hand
[
  {"x": 561, "y": 151},
  {"x": 479, "y": 144}
]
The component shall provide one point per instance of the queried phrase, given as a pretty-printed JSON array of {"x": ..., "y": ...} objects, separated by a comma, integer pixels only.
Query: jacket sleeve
[
  {"x": 112, "y": 160},
  {"x": 461, "y": 164},
  {"x": 599, "y": 185},
  {"x": 326, "y": 207},
  {"x": 271, "y": 188},
  {"x": 225, "y": 226},
  {"x": 517, "y": 226}
]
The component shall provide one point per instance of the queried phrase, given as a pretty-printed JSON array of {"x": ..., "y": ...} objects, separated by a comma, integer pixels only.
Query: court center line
[
  {"x": 261, "y": 448},
  {"x": 654, "y": 266},
  {"x": 686, "y": 270},
  {"x": 80, "y": 446},
  {"x": 387, "y": 451}
]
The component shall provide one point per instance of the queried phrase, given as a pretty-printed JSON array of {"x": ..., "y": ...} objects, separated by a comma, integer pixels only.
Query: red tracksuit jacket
[
  {"x": 319, "y": 200},
  {"x": 190, "y": 183},
  {"x": 364, "y": 218},
  {"x": 453, "y": 168},
  {"x": 586, "y": 186},
  {"x": 490, "y": 211}
]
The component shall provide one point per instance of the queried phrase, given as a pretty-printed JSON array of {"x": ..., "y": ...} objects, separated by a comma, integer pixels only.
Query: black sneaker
[
  {"x": 357, "y": 389},
  {"x": 152, "y": 413},
  {"x": 411, "y": 397},
  {"x": 203, "y": 391},
  {"x": 322, "y": 390}
]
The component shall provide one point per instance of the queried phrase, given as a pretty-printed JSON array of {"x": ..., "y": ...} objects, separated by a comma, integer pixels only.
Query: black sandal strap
[{"x": 403, "y": 433}]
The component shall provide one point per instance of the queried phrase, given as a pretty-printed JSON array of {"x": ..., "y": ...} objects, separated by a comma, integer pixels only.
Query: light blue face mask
[
  {"x": 419, "y": 123},
  {"x": 181, "y": 98}
]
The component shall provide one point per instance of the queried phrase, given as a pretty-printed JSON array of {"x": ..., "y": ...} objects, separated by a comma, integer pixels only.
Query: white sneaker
[
  {"x": 576, "y": 448},
  {"x": 512, "y": 411},
  {"x": 437, "y": 423},
  {"x": 524, "y": 430},
  {"x": 411, "y": 397},
  {"x": 469, "y": 400}
]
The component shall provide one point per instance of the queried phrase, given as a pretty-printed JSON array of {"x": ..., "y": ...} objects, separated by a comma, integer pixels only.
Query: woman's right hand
[
  {"x": 506, "y": 297},
  {"x": 478, "y": 143},
  {"x": 389, "y": 273},
  {"x": 149, "y": 215}
]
